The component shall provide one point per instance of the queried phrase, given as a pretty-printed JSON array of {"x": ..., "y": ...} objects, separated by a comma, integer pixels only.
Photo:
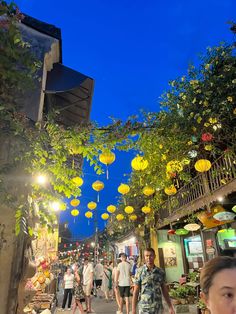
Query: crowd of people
[{"x": 145, "y": 286}]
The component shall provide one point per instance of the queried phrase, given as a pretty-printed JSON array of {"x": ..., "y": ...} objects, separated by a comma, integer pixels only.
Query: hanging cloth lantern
[
  {"x": 202, "y": 165},
  {"x": 133, "y": 217},
  {"x": 105, "y": 216},
  {"x": 224, "y": 216},
  {"x": 74, "y": 213},
  {"x": 107, "y": 158},
  {"x": 174, "y": 166},
  {"x": 120, "y": 217},
  {"x": 146, "y": 210},
  {"x": 139, "y": 163},
  {"x": 181, "y": 231},
  {"x": 74, "y": 202},
  {"x": 192, "y": 227},
  {"x": 111, "y": 209},
  {"x": 77, "y": 181},
  {"x": 123, "y": 189},
  {"x": 171, "y": 232},
  {"x": 88, "y": 214},
  {"x": 91, "y": 205},
  {"x": 171, "y": 190},
  {"x": 129, "y": 209},
  {"x": 98, "y": 186},
  {"x": 148, "y": 190}
]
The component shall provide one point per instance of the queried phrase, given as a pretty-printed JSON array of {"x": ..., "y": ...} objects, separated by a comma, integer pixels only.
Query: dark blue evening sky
[{"x": 132, "y": 49}]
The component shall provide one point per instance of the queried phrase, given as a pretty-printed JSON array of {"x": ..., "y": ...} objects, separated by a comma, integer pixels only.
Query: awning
[{"x": 69, "y": 92}]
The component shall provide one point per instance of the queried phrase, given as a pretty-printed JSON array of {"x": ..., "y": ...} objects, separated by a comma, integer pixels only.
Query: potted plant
[{"x": 174, "y": 296}]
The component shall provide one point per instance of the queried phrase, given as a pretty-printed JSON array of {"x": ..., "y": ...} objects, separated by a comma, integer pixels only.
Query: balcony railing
[{"x": 222, "y": 172}]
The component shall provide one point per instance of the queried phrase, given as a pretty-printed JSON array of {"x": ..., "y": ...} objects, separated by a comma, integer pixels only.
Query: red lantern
[
  {"x": 207, "y": 137},
  {"x": 171, "y": 231},
  {"x": 64, "y": 245},
  {"x": 77, "y": 243}
]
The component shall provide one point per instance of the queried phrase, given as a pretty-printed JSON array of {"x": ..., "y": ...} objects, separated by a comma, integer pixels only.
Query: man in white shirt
[
  {"x": 123, "y": 281},
  {"x": 87, "y": 283},
  {"x": 98, "y": 274}
]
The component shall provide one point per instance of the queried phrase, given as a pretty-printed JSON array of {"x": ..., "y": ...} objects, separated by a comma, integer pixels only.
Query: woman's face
[{"x": 222, "y": 293}]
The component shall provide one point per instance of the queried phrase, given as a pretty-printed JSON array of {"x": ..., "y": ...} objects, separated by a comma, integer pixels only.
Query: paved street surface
[{"x": 99, "y": 306}]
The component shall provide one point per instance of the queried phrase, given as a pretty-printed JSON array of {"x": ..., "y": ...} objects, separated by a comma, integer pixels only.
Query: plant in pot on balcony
[
  {"x": 183, "y": 294},
  {"x": 191, "y": 292}
]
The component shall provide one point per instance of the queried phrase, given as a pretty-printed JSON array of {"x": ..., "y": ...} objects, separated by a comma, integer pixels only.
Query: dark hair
[
  {"x": 122, "y": 254},
  {"x": 150, "y": 249},
  {"x": 212, "y": 267}
]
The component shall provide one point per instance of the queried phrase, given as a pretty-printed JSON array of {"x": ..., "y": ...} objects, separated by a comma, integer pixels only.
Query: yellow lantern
[
  {"x": 74, "y": 202},
  {"x": 88, "y": 214},
  {"x": 105, "y": 216},
  {"x": 123, "y": 189},
  {"x": 98, "y": 186},
  {"x": 202, "y": 165},
  {"x": 107, "y": 158},
  {"x": 133, "y": 217},
  {"x": 120, "y": 217},
  {"x": 170, "y": 190},
  {"x": 174, "y": 166},
  {"x": 92, "y": 205},
  {"x": 139, "y": 163},
  {"x": 111, "y": 209},
  {"x": 74, "y": 213},
  {"x": 146, "y": 209},
  {"x": 77, "y": 181},
  {"x": 148, "y": 190},
  {"x": 129, "y": 209}
]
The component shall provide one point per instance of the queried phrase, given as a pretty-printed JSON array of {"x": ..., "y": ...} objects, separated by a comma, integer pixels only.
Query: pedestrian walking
[
  {"x": 115, "y": 288},
  {"x": 88, "y": 283},
  {"x": 106, "y": 281},
  {"x": 78, "y": 292},
  {"x": 149, "y": 286},
  {"x": 123, "y": 281},
  {"x": 68, "y": 285},
  {"x": 98, "y": 274}
]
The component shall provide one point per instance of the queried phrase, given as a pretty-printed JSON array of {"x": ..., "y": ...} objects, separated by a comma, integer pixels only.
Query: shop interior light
[{"x": 220, "y": 198}]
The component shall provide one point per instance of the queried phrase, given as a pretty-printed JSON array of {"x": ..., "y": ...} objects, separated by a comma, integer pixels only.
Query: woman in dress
[
  {"x": 79, "y": 292},
  {"x": 218, "y": 285},
  {"x": 106, "y": 281}
]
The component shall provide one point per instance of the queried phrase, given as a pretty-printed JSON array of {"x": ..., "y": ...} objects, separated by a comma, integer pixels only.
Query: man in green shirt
[{"x": 149, "y": 286}]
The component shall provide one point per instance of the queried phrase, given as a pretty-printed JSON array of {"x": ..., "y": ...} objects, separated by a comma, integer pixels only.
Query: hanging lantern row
[{"x": 107, "y": 158}]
